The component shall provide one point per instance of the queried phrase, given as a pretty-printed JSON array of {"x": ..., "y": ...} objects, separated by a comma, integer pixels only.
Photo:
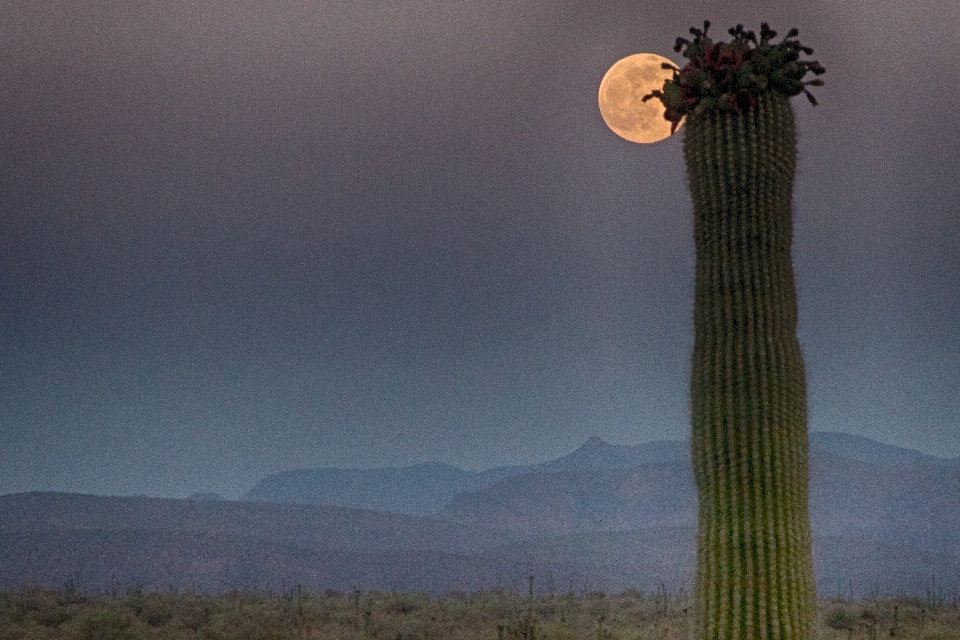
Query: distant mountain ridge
[
  {"x": 870, "y": 451},
  {"x": 428, "y": 488},
  {"x": 419, "y": 489},
  {"x": 598, "y": 455},
  {"x": 605, "y": 516}
]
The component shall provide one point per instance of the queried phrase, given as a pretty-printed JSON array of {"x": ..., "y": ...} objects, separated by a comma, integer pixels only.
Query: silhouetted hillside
[
  {"x": 102, "y": 544},
  {"x": 536, "y": 503},
  {"x": 428, "y": 488},
  {"x": 911, "y": 504},
  {"x": 870, "y": 451},
  {"x": 597, "y": 455},
  {"x": 327, "y": 527},
  {"x": 604, "y": 517},
  {"x": 424, "y": 489}
]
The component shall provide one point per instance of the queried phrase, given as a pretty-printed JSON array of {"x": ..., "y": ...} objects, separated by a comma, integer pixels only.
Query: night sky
[{"x": 244, "y": 236}]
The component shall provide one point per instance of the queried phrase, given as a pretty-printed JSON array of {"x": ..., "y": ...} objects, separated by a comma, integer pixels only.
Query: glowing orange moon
[{"x": 621, "y": 98}]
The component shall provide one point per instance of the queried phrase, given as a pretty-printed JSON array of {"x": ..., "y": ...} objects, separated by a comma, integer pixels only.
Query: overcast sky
[{"x": 243, "y": 236}]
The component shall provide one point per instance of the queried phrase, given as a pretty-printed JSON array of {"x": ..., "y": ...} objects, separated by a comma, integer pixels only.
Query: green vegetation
[
  {"x": 754, "y": 577},
  {"x": 37, "y": 614}
]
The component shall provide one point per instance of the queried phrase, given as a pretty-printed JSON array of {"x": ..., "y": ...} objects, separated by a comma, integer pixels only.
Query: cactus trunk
[{"x": 754, "y": 577}]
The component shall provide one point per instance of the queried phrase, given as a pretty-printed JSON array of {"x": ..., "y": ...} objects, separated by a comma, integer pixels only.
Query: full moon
[{"x": 621, "y": 98}]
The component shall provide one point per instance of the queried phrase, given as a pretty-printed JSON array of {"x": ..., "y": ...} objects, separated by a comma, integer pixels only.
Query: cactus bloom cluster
[{"x": 729, "y": 77}]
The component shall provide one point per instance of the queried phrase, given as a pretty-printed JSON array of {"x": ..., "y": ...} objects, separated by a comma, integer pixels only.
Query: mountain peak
[
  {"x": 596, "y": 454},
  {"x": 595, "y": 442},
  {"x": 597, "y": 451}
]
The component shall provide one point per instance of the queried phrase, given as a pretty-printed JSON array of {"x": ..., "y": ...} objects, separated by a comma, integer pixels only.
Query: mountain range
[
  {"x": 426, "y": 488},
  {"x": 604, "y": 517}
]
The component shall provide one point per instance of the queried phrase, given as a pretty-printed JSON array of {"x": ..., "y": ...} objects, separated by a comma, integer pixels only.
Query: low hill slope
[{"x": 104, "y": 544}]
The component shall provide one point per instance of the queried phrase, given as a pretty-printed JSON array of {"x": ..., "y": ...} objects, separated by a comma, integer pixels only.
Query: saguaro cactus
[{"x": 754, "y": 577}]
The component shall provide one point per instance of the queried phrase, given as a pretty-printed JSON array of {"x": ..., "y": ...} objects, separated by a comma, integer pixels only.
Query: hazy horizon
[
  {"x": 248, "y": 236},
  {"x": 238, "y": 496}
]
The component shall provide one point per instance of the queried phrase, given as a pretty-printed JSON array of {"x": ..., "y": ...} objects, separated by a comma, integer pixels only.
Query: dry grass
[{"x": 492, "y": 615}]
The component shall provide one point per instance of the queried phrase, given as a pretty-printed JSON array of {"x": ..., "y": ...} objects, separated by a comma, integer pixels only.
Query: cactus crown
[{"x": 727, "y": 77}]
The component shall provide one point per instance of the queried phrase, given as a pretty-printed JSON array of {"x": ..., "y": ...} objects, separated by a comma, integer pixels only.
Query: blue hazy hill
[
  {"x": 614, "y": 517},
  {"x": 428, "y": 488}
]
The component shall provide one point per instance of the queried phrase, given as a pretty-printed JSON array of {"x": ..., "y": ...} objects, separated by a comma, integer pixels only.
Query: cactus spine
[{"x": 754, "y": 577}]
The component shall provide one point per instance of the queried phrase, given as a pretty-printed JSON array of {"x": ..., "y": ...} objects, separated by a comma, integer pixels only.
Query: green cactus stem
[{"x": 754, "y": 575}]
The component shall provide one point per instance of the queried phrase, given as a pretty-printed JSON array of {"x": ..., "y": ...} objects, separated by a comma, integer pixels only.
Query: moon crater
[{"x": 621, "y": 98}]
